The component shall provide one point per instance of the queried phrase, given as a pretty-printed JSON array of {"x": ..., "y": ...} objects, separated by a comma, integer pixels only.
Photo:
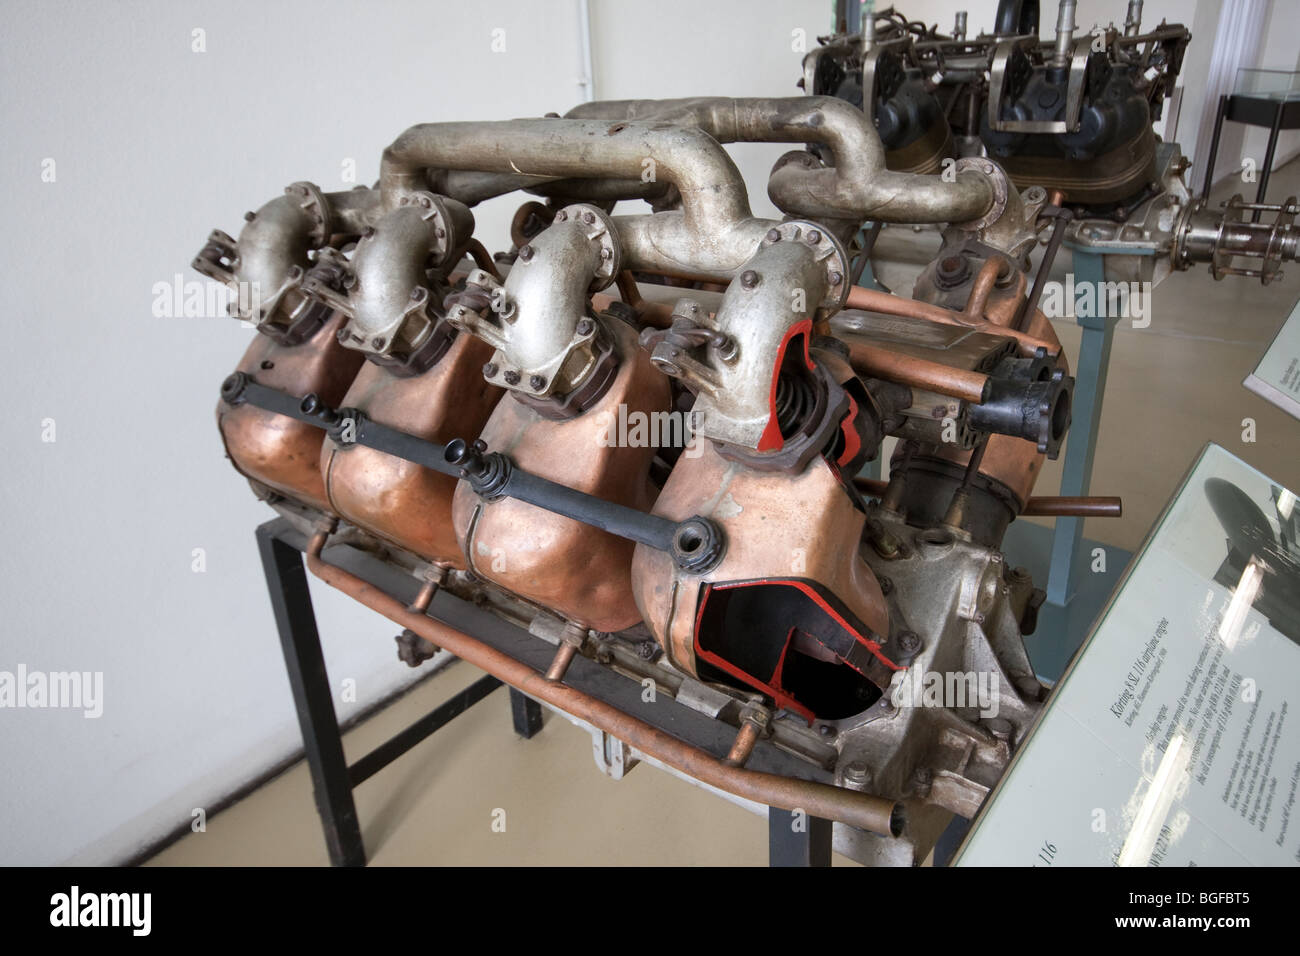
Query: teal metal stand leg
[
  {"x": 1060, "y": 555},
  {"x": 1081, "y": 443}
]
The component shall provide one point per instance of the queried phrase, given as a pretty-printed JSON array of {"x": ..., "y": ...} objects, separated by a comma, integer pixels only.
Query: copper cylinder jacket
[
  {"x": 405, "y": 503},
  {"x": 578, "y": 571},
  {"x": 272, "y": 449}
]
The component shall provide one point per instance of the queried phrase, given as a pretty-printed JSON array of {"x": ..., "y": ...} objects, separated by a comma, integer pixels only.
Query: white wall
[
  {"x": 154, "y": 146},
  {"x": 688, "y": 48}
]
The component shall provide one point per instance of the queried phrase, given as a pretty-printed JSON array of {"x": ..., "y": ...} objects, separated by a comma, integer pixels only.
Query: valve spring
[{"x": 795, "y": 402}]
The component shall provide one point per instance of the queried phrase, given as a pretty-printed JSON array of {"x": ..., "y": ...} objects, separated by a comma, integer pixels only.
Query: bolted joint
[
  {"x": 232, "y": 389},
  {"x": 574, "y": 634},
  {"x": 345, "y": 429},
  {"x": 697, "y": 545},
  {"x": 487, "y": 474},
  {"x": 312, "y": 406},
  {"x": 758, "y": 716}
]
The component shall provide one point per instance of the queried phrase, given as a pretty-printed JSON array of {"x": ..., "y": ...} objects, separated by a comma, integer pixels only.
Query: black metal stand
[
  {"x": 1275, "y": 114},
  {"x": 794, "y": 839},
  {"x": 332, "y": 779}
]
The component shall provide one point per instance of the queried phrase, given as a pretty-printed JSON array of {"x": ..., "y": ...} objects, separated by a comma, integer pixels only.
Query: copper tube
[
  {"x": 984, "y": 282},
  {"x": 564, "y": 655},
  {"x": 743, "y": 746},
  {"x": 627, "y": 288},
  {"x": 425, "y": 597},
  {"x": 876, "y": 362},
  {"x": 677, "y": 274},
  {"x": 872, "y": 300},
  {"x": 659, "y": 314},
  {"x": 1095, "y": 506},
  {"x": 482, "y": 259},
  {"x": 876, "y": 814}
]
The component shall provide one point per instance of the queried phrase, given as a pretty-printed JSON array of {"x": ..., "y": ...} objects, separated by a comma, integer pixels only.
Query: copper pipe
[
  {"x": 876, "y": 362},
  {"x": 868, "y": 812},
  {"x": 659, "y": 315},
  {"x": 743, "y": 746},
  {"x": 564, "y": 655},
  {"x": 983, "y": 285},
  {"x": 1096, "y": 506},
  {"x": 677, "y": 274},
  {"x": 425, "y": 597},
  {"x": 627, "y": 288},
  {"x": 872, "y": 300},
  {"x": 482, "y": 258}
]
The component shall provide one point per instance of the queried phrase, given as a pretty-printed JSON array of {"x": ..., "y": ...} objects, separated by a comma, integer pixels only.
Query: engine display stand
[
  {"x": 1077, "y": 585},
  {"x": 803, "y": 841},
  {"x": 1272, "y": 113}
]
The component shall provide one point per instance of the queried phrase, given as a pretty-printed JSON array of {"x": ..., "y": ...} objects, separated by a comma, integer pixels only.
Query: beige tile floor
[{"x": 1172, "y": 387}]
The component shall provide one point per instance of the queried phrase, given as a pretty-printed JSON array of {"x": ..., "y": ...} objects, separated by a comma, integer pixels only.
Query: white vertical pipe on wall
[
  {"x": 1236, "y": 44},
  {"x": 587, "y": 81}
]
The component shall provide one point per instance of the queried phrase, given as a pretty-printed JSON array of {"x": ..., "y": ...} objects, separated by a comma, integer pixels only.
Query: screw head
[
  {"x": 512, "y": 377},
  {"x": 909, "y": 642},
  {"x": 589, "y": 218},
  {"x": 774, "y": 235},
  {"x": 836, "y": 278},
  {"x": 585, "y": 327},
  {"x": 749, "y": 278},
  {"x": 490, "y": 370},
  {"x": 378, "y": 342},
  {"x": 537, "y": 382},
  {"x": 525, "y": 253},
  {"x": 813, "y": 237}
]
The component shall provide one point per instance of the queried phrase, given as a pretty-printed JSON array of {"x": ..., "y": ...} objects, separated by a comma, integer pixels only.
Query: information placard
[
  {"x": 1172, "y": 738},
  {"x": 1277, "y": 377}
]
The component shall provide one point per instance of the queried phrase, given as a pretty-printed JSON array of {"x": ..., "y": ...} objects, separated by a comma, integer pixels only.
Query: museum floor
[{"x": 1173, "y": 386}]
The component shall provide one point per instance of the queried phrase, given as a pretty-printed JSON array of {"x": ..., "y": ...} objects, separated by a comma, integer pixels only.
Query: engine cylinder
[
  {"x": 579, "y": 572},
  {"x": 271, "y": 449},
  {"x": 406, "y": 503}
]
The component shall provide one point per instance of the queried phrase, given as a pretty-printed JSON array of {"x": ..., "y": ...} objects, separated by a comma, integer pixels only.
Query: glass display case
[
  {"x": 1171, "y": 739},
  {"x": 1277, "y": 377},
  {"x": 1268, "y": 84}
]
